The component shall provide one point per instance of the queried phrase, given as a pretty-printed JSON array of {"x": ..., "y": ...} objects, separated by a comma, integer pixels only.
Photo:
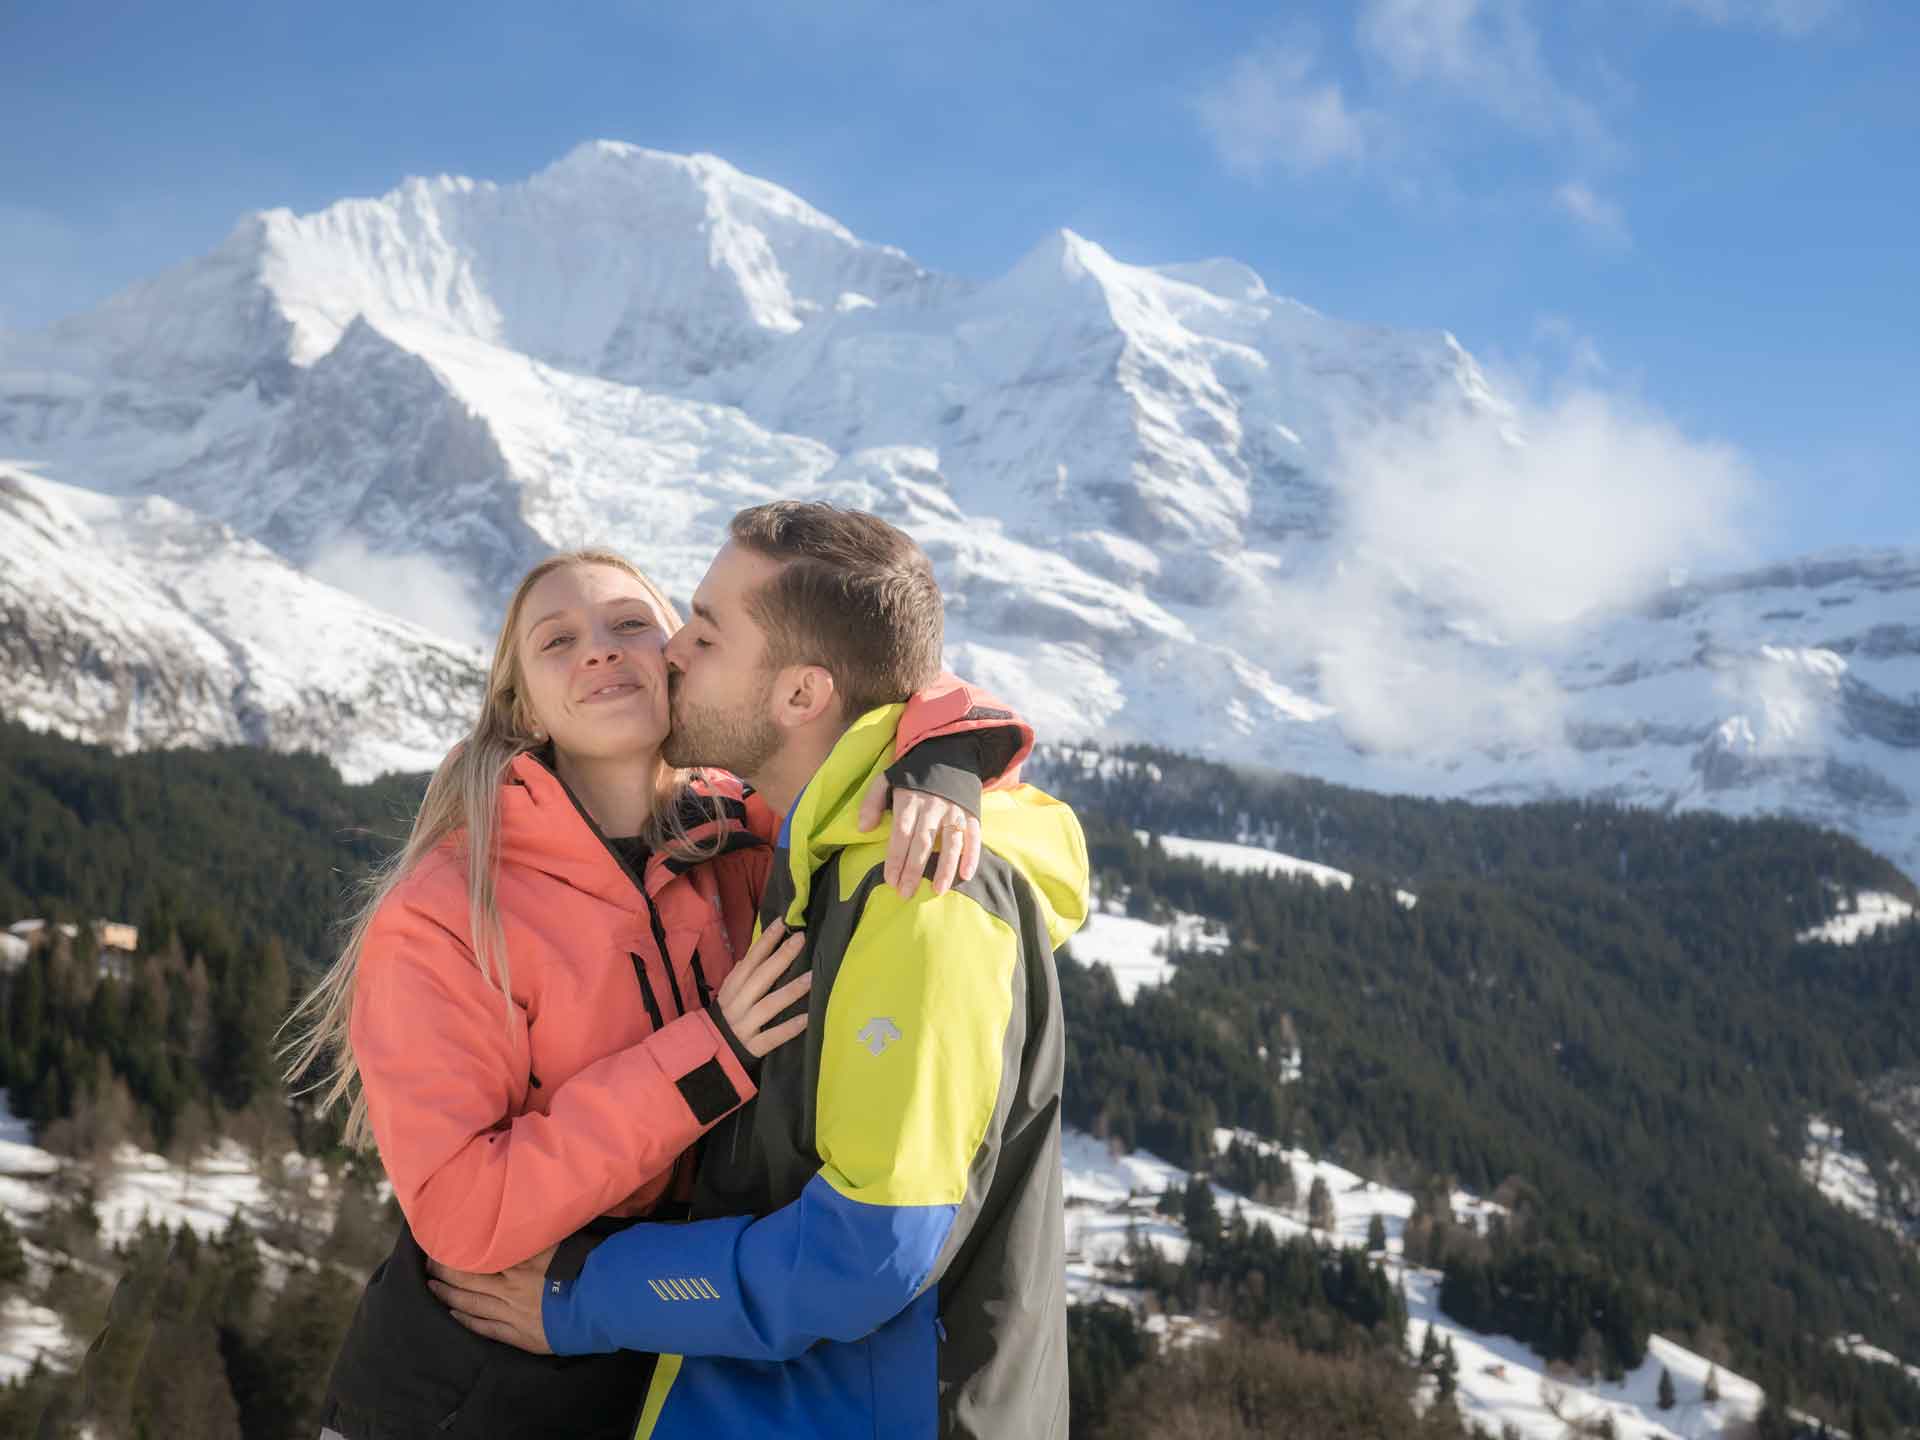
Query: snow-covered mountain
[
  {"x": 137, "y": 623},
  {"x": 1129, "y": 477}
]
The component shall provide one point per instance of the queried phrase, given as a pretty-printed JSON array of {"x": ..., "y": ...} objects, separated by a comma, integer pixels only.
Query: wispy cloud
[
  {"x": 1603, "y": 218},
  {"x": 1472, "y": 539},
  {"x": 1789, "y": 17},
  {"x": 1274, "y": 110},
  {"x": 413, "y": 587},
  {"x": 1415, "y": 87},
  {"x": 1486, "y": 53},
  {"x": 1577, "y": 354}
]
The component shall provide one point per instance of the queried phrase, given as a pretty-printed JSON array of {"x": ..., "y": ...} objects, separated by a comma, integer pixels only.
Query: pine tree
[
  {"x": 1710, "y": 1392},
  {"x": 1449, "y": 1371},
  {"x": 13, "y": 1259},
  {"x": 1320, "y": 1204},
  {"x": 1376, "y": 1235},
  {"x": 1667, "y": 1398},
  {"x": 1199, "y": 1213}
]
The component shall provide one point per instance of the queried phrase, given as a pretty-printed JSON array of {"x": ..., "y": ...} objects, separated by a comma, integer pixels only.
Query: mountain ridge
[{"x": 1136, "y": 481}]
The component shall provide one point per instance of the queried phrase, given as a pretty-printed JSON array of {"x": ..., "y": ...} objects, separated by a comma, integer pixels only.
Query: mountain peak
[{"x": 726, "y": 189}]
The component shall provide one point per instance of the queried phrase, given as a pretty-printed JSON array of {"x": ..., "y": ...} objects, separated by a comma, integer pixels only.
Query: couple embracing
[{"x": 716, "y": 1104}]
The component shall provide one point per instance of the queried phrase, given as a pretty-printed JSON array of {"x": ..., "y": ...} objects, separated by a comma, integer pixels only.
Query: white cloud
[
  {"x": 1603, "y": 217},
  {"x": 1272, "y": 110},
  {"x": 1533, "y": 520},
  {"x": 410, "y": 586},
  {"x": 1473, "y": 540},
  {"x": 1789, "y": 17},
  {"x": 1486, "y": 53},
  {"x": 1578, "y": 354},
  {"x": 1417, "y": 88}
]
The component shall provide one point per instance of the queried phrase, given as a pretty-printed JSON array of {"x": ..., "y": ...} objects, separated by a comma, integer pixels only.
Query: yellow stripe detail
[
  {"x": 903, "y": 1127},
  {"x": 712, "y": 1294},
  {"x": 664, "y": 1374},
  {"x": 658, "y": 1290},
  {"x": 679, "y": 1288}
]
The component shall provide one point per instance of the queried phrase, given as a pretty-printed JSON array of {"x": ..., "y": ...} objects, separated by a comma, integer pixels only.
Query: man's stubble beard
[{"x": 741, "y": 738}]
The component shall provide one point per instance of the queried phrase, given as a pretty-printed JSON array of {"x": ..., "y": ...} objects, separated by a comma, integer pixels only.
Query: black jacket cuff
[
  {"x": 570, "y": 1257},
  {"x": 749, "y": 1062},
  {"x": 956, "y": 767}
]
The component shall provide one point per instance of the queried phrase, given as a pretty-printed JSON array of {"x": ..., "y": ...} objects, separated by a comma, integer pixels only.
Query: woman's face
[{"x": 591, "y": 673}]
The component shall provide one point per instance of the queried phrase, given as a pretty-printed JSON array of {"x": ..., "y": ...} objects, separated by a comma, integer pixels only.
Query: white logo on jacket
[{"x": 878, "y": 1033}]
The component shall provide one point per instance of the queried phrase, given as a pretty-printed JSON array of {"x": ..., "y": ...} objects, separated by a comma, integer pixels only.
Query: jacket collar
[
  {"x": 544, "y": 826},
  {"x": 826, "y": 817}
]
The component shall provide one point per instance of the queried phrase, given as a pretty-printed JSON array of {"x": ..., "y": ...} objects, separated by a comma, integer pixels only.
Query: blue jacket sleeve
[
  {"x": 822, "y": 1268},
  {"x": 913, "y": 1057}
]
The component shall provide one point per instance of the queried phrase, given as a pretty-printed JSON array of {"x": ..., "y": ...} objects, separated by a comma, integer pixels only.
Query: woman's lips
[{"x": 619, "y": 690}]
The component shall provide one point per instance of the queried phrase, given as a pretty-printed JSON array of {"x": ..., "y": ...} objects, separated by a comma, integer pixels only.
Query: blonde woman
[{"x": 549, "y": 996}]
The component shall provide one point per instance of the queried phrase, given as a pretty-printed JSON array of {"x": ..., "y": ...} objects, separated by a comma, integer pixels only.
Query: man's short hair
[{"x": 854, "y": 595}]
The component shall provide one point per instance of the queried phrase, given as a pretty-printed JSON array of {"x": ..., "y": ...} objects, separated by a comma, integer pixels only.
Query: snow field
[
  {"x": 1113, "y": 1198},
  {"x": 1872, "y": 910},
  {"x": 1253, "y": 859}
]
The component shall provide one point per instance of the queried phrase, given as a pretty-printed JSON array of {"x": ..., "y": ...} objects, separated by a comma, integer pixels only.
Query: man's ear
[{"x": 802, "y": 694}]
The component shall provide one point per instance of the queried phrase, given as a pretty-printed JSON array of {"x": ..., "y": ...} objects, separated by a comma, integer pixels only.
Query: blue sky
[{"x": 1708, "y": 208}]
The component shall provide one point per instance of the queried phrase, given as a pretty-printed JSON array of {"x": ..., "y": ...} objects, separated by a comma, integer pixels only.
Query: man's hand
[{"x": 503, "y": 1307}]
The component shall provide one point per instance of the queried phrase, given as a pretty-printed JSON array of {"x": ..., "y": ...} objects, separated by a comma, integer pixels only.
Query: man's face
[{"x": 718, "y": 682}]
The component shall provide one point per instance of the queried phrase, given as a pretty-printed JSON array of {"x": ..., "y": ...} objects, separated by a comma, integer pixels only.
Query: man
[{"x": 893, "y": 1266}]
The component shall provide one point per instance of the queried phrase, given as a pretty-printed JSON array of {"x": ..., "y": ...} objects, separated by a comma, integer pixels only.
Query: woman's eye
[
  {"x": 699, "y": 644},
  {"x": 635, "y": 622},
  {"x": 553, "y": 640}
]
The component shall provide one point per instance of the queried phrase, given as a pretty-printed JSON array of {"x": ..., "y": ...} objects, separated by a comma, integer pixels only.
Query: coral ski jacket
[
  {"x": 898, "y": 1271},
  {"x": 507, "y": 1125}
]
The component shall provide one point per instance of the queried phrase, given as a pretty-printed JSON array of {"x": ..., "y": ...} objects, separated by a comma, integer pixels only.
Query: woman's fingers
[
  {"x": 873, "y": 805},
  {"x": 764, "y": 944},
  {"x": 921, "y": 836},
  {"x": 761, "y": 978},
  {"x": 952, "y": 851},
  {"x": 970, "y": 862},
  {"x": 922, "y": 823},
  {"x": 908, "y": 808},
  {"x": 759, "y": 1041},
  {"x": 770, "y": 1040},
  {"x": 743, "y": 1000},
  {"x": 770, "y": 942}
]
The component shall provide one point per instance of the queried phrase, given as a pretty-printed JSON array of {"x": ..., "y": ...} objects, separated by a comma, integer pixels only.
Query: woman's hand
[
  {"x": 920, "y": 823},
  {"x": 743, "y": 999}
]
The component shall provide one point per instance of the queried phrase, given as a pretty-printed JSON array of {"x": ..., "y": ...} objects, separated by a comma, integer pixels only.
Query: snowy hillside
[
  {"x": 1109, "y": 1197},
  {"x": 1113, "y": 1201},
  {"x": 1136, "y": 481},
  {"x": 138, "y": 624}
]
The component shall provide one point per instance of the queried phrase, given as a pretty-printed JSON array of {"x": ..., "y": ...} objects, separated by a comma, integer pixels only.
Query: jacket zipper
[{"x": 653, "y": 917}]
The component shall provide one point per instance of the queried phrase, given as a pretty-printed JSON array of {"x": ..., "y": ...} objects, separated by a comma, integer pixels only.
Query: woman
[{"x": 539, "y": 1011}]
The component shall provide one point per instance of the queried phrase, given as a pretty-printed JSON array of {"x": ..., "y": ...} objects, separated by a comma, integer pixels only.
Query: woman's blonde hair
[{"x": 463, "y": 797}]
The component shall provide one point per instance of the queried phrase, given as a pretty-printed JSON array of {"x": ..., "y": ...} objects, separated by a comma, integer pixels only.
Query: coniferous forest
[{"x": 1600, "y": 1018}]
